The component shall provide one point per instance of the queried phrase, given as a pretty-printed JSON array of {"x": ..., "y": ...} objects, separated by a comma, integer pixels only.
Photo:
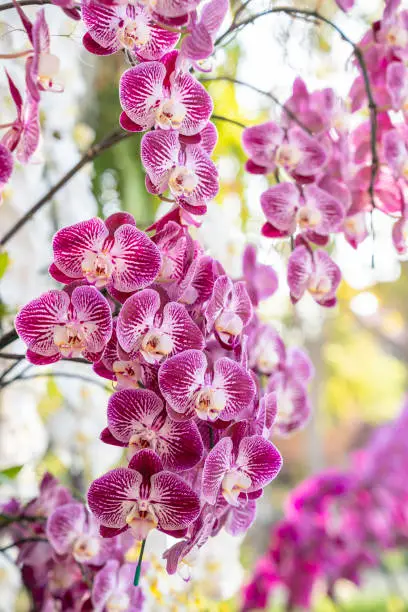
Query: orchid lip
[
  {"x": 70, "y": 339},
  {"x": 182, "y": 181},
  {"x": 288, "y": 156},
  {"x": 133, "y": 34},
  {"x": 118, "y": 602},
  {"x": 210, "y": 403},
  {"x": 85, "y": 548},
  {"x": 170, "y": 114},
  {"x": 320, "y": 287},
  {"x": 308, "y": 217},
  {"x": 97, "y": 268},
  {"x": 156, "y": 345},
  {"x": 234, "y": 483},
  {"x": 141, "y": 519}
]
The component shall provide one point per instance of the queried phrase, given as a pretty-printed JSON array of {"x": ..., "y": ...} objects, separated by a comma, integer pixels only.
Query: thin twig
[
  {"x": 90, "y": 155},
  {"x": 11, "y": 5},
  {"x": 20, "y": 357},
  {"x": 8, "y": 338},
  {"x": 86, "y": 379},
  {"x": 269, "y": 95},
  {"x": 22, "y": 541},
  {"x": 228, "y": 120},
  {"x": 309, "y": 14}
]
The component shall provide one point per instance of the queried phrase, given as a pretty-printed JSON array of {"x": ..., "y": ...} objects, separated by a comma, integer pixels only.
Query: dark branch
[
  {"x": 90, "y": 155},
  {"x": 22, "y": 541},
  {"x": 86, "y": 379},
  {"x": 8, "y": 338},
  {"x": 228, "y": 120},
  {"x": 267, "y": 94}
]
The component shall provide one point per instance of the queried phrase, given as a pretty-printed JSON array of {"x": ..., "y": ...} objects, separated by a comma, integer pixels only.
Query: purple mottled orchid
[
  {"x": 137, "y": 419},
  {"x": 199, "y": 44},
  {"x": 314, "y": 211},
  {"x": 113, "y": 588},
  {"x": 112, "y": 254},
  {"x": 153, "y": 94},
  {"x": 72, "y": 530},
  {"x": 191, "y": 388},
  {"x": 314, "y": 272},
  {"x": 186, "y": 171},
  {"x": 143, "y": 497},
  {"x": 156, "y": 333},
  {"x": 24, "y": 132},
  {"x": 297, "y": 152},
  {"x": 125, "y": 26},
  {"x": 239, "y": 465},
  {"x": 261, "y": 280},
  {"x": 60, "y": 324},
  {"x": 228, "y": 310}
]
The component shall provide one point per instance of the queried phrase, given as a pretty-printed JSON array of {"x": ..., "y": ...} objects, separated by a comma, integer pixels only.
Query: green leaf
[
  {"x": 11, "y": 473},
  {"x": 4, "y": 262}
]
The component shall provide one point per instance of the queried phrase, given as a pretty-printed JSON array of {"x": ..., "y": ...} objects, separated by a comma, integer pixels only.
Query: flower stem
[
  {"x": 15, "y": 55},
  {"x": 139, "y": 564}
]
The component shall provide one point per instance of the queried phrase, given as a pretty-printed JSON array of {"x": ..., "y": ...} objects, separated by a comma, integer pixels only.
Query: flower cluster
[
  {"x": 200, "y": 382},
  {"x": 65, "y": 563},
  {"x": 331, "y": 170},
  {"x": 338, "y": 523}
]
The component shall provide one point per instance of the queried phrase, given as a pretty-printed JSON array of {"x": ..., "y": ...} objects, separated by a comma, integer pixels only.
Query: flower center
[
  {"x": 146, "y": 438},
  {"x": 228, "y": 325},
  {"x": 48, "y": 68},
  {"x": 134, "y": 34},
  {"x": 209, "y": 403},
  {"x": 128, "y": 374},
  {"x": 288, "y": 156},
  {"x": 319, "y": 286},
  {"x": 141, "y": 519},
  {"x": 70, "y": 339},
  {"x": 182, "y": 181},
  {"x": 97, "y": 268},
  {"x": 308, "y": 217},
  {"x": 233, "y": 484},
  {"x": 156, "y": 345},
  {"x": 170, "y": 114},
  {"x": 118, "y": 602},
  {"x": 267, "y": 360},
  {"x": 85, "y": 549}
]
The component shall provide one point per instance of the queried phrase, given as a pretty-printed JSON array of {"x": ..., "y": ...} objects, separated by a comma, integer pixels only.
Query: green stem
[{"x": 139, "y": 565}]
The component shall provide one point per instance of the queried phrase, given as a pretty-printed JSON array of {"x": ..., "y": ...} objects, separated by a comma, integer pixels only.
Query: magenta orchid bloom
[
  {"x": 137, "y": 419},
  {"x": 239, "y": 467},
  {"x": 266, "y": 349},
  {"x": 186, "y": 171},
  {"x": 298, "y": 153},
  {"x": 156, "y": 335},
  {"x": 292, "y": 403},
  {"x": 395, "y": 144},
  {"x": 152, "y": 94},
  {"x": 314, "y": 272},
  {"x": 143, "y": 497},
  {"x": 24, "y": 134},
  {"x": 71, "y": 530},
  {"x": 314, "y": 212},
  {"x": 400, "y": 235},
  {"x": 113, "y": 588},
  {"x": 112, "y": 254},
  {"x": 59, "y": 324},
  {"x": 125, "y": 26},
  {"x": 192, "y": 390},
  {"x": 228, "y": 311},
  {"x": 261, "y": 280}
]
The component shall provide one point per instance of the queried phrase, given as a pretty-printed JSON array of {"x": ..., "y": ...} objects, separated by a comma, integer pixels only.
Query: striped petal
[
  {"x": 179, "y": 379},
  {"x": 104, "y": 584},
  {"x": 136, "y": 317},
  {"x": 160, "y": 152},
  {"x": 175, "y": 503},
  {"x": 279, "y": 204},
  {"x": 259, "y": 459},
  {"x": 216, "y": 465},
  {"x": 136, "y": 259},
  {"x": 112, "y": 496},
  {"x": 236, "y": 384},
  {"x": 184, "y": 333},
  {"x": 196, "y": 100},
  {"x": 36, "y": 321},
  {"x": 207, "y": 174},
  {"x": 140, "y": 92},
  {"x": 94, "y": 313},
  {"x": 71, "y": 244},
  {"x": 102, "y": 23}
]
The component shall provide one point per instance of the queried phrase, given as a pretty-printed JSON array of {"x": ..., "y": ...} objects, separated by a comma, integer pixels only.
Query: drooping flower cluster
[
  {"x": 338, "y": 523},
  {"x": 200, "y": 383},
  {"x": 327, "y": 176},
  {"x": 65, "y": 563}
]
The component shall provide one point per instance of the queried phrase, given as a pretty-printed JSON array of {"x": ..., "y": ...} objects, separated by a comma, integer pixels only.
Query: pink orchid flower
[
  {"x": 228, "y": 311},
  {"x": 60, "y": 324},
  {"x": 314, "y": 272}
]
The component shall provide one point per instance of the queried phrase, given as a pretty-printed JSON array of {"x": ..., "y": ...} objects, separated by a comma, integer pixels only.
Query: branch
[
  {"x": 8, "y": 338},
  {"x": 227, "y": 120},
  {"x": 20, "y": 357},
  {"x": 22, "y": 541},
  {"x": 304, "y": 13},
  {"x": 11, "y": 5},
  {"x": 269, "y": 95},
  {"x": 90, "y": 155},
  {"x": 86, "y": 379}
]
